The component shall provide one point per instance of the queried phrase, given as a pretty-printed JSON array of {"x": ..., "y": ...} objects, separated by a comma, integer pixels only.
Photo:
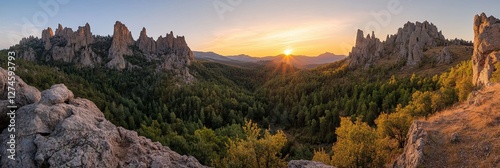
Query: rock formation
[
  {"x": 486, "y": 48},
  {"x": 408, "y": 45},
  {"x": 122, "y": 40},
  {"x": 64, "y": 46},
  {"x": 412, "y": 156},
  {"x": 145, "y": 43},
  {"x": 69, "y": 46},
  {"x": 26, "y": 50},
  {"x": 55, "y": 129},
  {"x": 173, "y": 52},
  {"x": 46, "y": 35},
  {"x": 444, "y": 57},
  {"x": 28, "y": 54},
  {"x": 82, "y": 49},
  {"x": 307, "y": 164},
  {"x": 465, "y": 135},
  {"x": 414, "y": 38},
  {"x": 25, "y": 94},
  {"x": 366, "y": 50}
]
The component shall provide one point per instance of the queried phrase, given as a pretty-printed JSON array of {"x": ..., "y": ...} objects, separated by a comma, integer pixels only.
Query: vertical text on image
[{"x": 11, "y": 96}]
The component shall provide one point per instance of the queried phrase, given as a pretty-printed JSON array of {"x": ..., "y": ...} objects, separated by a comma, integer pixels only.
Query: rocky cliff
[
  {"x": 366, "y": 50},
  {"x": 463, "y": 136},
  {"x": 120, "y": 46},
  {"x": 486, "y": 48},
  {"x": 414, "y": 38},
  {"x": 69, "y": 46},
  {"x": 83, "y": 49},
  {"x": 408, "y": 45},
  {"x": 55, "y": 129},
  {"x": 413, "y": 152},
  {"x": 173, "y": 52}
]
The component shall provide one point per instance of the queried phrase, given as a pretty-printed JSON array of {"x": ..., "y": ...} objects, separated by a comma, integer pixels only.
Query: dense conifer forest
[{"x": 270, "y": 113}]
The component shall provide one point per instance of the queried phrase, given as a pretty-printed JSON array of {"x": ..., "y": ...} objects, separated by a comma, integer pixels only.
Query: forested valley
[{"x": 265, "y": 115}]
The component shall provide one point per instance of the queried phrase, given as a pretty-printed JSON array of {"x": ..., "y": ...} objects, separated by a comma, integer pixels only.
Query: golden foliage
[
  {"x": 256, "y": 151},
  {"x": 321, "y": 156},
  {"x": 359, "y": 145},
  {"x": 394, "y": 126},
  {"x": 459, "y": 78},
  {"x": 355, "y": 145}
]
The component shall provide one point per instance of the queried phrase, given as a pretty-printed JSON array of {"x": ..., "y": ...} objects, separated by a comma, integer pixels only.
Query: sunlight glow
[
  {"x": 311, "y": 37},
  {"x": 287, "y": 52}
]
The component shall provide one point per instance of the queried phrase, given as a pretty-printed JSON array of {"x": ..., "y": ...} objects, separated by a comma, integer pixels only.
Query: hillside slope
[{"x": 466, "y": 135}]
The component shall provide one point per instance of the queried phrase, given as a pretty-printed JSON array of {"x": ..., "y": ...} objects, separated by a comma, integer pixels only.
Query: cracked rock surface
[
  {"x": 62, "y": 131},
  {"x": 486, "y": 48}
]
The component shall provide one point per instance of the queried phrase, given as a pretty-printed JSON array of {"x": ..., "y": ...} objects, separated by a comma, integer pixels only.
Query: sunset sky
[{"x": 253, "y": 27}]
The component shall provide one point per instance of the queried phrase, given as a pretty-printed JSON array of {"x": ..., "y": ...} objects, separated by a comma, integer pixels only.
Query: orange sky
[
  {"x": 252, "y": 27},
  {"x": 305, "y": 38}
]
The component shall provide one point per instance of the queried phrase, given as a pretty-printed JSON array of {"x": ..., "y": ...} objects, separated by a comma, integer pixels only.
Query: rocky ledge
[
  {"x": 486, "y": 48},
  {"x": 465, "y": 135},
  {"x": 413, "y": 152},
  {"x": 54, "y": 129}
]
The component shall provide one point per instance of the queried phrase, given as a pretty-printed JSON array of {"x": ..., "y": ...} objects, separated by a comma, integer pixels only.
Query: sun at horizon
[{"x": 288, "y": 52}]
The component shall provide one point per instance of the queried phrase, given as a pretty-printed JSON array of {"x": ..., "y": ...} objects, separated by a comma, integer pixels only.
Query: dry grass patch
[{"x": 466, "y": 135}]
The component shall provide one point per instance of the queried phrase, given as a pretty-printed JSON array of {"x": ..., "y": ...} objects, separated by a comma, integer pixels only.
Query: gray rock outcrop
[
  {"x": 69, "y": 46},
  {"x": 412, "y": 156},
  {"x": 173, "y": 53},
  {"x": 486, "y": 48},
  {"x": 408, "y": 44},
  {"x": 46, "y": 35},
  {"x": 122, "y": 40},
  {"x": 81, "y": 48},
  {"x": 414, "y": 38},
  {"x": 145, "y": 43},
  {"x": 65, "y": 46},
  {"x": 26, "y": 50},
  {"x": 444, "y": 57},
  {"x": 25, "y": 94},
  {"x": 62, "y": 131},
  {"x": 81, "y": 38},
  {"x": 366, "y": 50},
  {"x": 307, "y": 164}
]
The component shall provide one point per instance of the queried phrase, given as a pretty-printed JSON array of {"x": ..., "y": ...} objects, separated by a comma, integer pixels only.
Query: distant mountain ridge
[{"x": 300, "y": 61}]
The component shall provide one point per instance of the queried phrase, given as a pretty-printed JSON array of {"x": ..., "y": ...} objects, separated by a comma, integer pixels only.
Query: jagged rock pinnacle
[{"x": 486, "y": 48}]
